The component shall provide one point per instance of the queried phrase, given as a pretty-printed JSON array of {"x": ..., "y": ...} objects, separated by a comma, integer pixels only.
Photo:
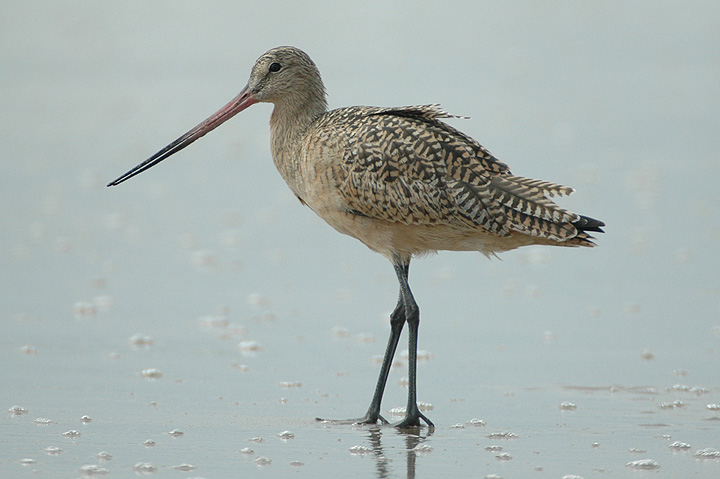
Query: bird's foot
[
  {"x": 412, "y": 421},
  {"x": 367, "y": 419}
]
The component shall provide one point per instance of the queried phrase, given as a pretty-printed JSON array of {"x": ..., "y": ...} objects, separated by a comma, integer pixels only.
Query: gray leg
[
  {"x": 412, "y": 317},
  {"x": 397, "y": 321},
  {"x": 406, "y": 311}
]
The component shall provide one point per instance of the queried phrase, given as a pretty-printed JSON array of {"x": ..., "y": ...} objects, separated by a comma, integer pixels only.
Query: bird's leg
[
  {"x": 397, "y": 321},
  {"x": 412, "y": 316}
]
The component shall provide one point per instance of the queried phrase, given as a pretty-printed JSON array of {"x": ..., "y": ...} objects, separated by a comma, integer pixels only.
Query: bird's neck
[
  {"x": 289, "y": 126},
  {"x": 294, "y": 114}
]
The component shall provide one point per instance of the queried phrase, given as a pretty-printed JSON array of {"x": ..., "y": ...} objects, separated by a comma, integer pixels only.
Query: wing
[{"x": 405, "y": 165}]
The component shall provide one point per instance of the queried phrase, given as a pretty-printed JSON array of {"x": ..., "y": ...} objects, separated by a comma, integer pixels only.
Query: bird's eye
[{"x": 275, "y": 67}]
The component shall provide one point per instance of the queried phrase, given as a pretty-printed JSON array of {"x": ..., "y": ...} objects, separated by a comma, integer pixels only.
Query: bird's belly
[{"x": 405, "y": 241}]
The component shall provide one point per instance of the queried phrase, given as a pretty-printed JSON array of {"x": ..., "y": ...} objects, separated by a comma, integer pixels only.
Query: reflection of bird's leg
[
  {"x": 411, "y": 442},
  {"x": 382, "y": 463}
]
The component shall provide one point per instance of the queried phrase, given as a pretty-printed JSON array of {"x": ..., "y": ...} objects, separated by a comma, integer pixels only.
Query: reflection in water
[{"x": 412, "y": 441}]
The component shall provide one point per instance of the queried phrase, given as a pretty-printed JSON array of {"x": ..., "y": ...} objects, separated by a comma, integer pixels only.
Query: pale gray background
[{"x": 617, "y": 99}]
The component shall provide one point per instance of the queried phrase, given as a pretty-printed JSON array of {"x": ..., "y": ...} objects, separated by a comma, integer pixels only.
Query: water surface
[{"x": 202, "y": 298}]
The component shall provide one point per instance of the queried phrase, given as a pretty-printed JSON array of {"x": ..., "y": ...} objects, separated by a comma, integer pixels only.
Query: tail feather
[
  {"x": 527, "y": 207},
  {"x": 585, "y": 223}
]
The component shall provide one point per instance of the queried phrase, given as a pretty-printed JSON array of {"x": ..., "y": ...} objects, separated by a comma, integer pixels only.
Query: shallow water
[{"x": 201, "y": 298}]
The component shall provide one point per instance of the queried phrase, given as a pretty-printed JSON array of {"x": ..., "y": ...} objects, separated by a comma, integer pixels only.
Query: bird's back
[{"x": 406, "y": 167}]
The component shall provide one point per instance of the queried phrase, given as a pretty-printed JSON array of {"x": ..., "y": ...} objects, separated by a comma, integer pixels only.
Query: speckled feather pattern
[
  {"x": 404, "y": 165},
  {"x": 393, "y": 175}
]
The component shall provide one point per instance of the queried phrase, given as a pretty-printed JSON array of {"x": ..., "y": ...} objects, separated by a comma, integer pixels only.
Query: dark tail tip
[{"x": 589, "y": 224}]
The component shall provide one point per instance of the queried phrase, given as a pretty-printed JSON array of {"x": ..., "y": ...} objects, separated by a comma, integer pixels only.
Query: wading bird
[{"x": 398, "y": 179}]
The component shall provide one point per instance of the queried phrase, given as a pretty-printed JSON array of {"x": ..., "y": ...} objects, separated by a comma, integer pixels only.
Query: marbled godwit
[{"x": 399, "y": 180}]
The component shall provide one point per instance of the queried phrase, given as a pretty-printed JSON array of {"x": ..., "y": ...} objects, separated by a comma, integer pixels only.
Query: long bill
[{"x": 238, "y": 104}]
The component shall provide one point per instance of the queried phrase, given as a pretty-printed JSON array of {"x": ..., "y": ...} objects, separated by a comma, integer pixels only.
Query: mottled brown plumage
[{"x": 398, "y": 179}]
